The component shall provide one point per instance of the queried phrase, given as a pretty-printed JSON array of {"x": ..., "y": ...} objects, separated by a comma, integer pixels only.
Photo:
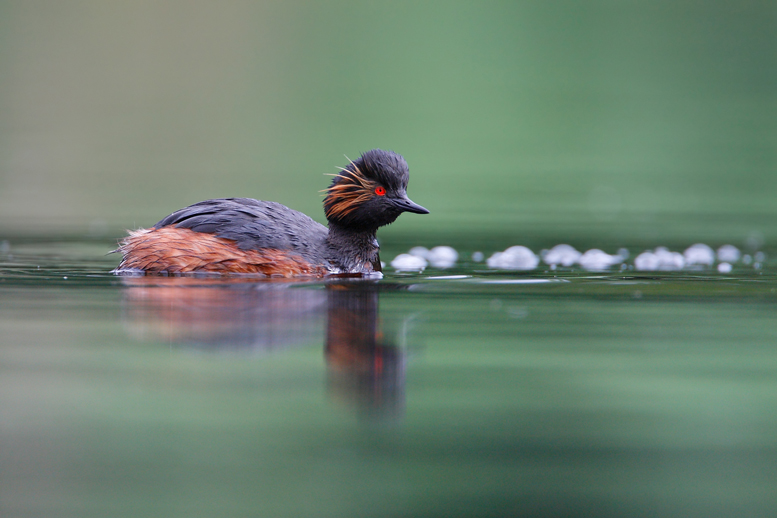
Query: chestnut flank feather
[{"x": 181, "y": 250}]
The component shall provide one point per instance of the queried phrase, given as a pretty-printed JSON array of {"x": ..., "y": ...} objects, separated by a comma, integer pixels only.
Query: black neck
[{"x": 353, "y": 250}]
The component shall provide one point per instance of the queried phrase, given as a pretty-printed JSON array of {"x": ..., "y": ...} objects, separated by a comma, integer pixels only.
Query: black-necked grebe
[{"x": 242, "y": 235}]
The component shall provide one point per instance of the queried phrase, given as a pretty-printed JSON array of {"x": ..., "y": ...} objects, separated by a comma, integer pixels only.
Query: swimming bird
[{"x": 243, "y": 235}]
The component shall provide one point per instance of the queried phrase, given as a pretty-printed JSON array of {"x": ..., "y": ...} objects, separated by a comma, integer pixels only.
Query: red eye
[{"x": 380, "y": 191}]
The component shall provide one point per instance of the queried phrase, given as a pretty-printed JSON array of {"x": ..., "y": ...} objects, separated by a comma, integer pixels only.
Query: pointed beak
[{"x": 406, "y": 205}]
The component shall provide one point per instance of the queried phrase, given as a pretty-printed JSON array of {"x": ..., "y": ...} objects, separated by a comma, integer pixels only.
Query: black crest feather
[{"x": 355, "y": 185}]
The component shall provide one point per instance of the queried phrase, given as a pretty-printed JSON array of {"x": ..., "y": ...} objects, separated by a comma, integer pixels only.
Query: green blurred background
[{"x": 648, "y": 121}]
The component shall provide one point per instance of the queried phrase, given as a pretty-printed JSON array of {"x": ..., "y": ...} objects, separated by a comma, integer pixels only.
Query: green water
[{"x": 460, "y": 392}]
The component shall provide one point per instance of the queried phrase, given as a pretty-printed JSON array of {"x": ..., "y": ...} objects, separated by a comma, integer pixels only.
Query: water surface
[{"x": 465, "y": 391}]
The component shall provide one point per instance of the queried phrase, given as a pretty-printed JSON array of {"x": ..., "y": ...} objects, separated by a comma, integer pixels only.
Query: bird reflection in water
[
  {"x": 244, "y": 315},
  {"x": 364, "y": 368}
]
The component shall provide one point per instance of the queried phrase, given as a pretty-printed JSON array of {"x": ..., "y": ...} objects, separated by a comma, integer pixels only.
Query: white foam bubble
[
  {"x": 442, "y": 256},
  {"x": 724, "y": 268},
  {"x": 660, "y": 259},
  {"x": 408, "y": 263},
  {"x": 514, "y": 258},
  {"x": 477, "y": 256},
  {"x": 419, "y": 251},
  {"x": 596, "y": 259},
  {"x": 728, "y": 254},
  {"x": 564, "y": 255},
  {"x": 646, "y": 261},
  {"x": 699, "y": 254}
]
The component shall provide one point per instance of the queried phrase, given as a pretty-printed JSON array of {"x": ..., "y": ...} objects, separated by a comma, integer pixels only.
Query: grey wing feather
[{"x": 252, "y": 224}]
